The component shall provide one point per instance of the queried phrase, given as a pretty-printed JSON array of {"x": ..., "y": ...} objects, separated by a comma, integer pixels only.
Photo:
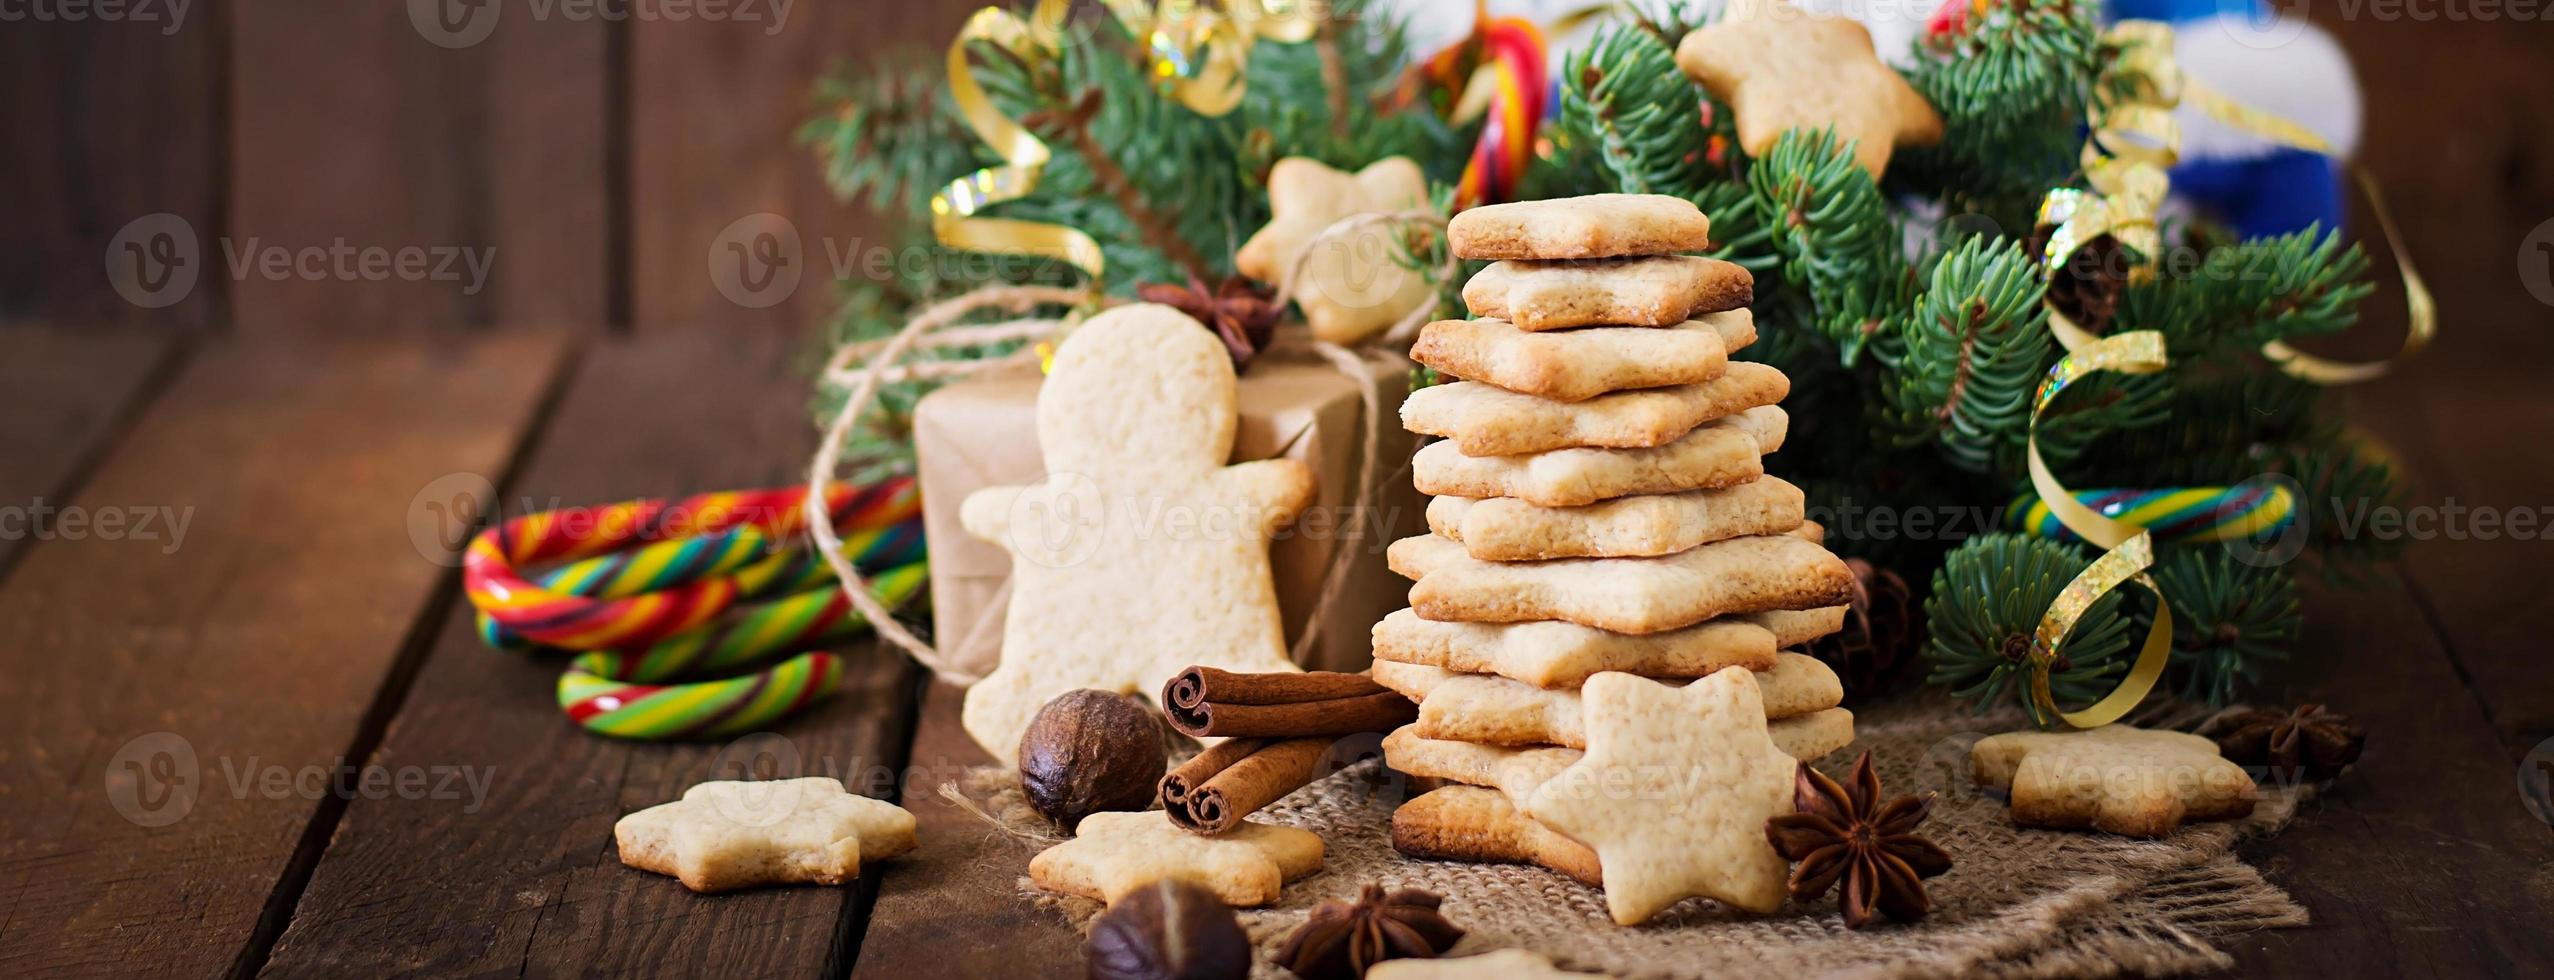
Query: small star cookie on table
[
  {"x": 1673, "y": 793},
  {"x": 1352, "y": 286},
  {"x": 1140, "y": 553},
  {"x": 2124, "y": 780},
  {"x": 1782, "y": 68},
  {"x": 1113, "y": 854},
  {"x": 1506, "y": 964},
  {"x": 731, "y": 834}
]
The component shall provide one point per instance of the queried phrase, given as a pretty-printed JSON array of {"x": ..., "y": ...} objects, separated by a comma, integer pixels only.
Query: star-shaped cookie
[
  {"x": 1140, "y": 553},
  {"x": 1673, "y": 793},
  {"x": 1112, "y": 854},
  {"x": 2115, "y": 778},
  {"x": 726, "y": 835},
  {"x": 1781, "y": 68},
  {"x": 1506, "y": 964},
  {"x": 1354, "y": 284}
]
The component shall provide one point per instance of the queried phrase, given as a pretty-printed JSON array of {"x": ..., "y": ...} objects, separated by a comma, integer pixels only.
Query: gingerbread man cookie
[
  {"x": 2115, "y": 778},
  {"x": 1353, "y": 285},
  {"x": 1140, "y": 553}
]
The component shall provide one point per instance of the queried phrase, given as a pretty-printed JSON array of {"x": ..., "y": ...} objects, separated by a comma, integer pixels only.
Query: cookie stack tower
[{"x": 1600, "y": 504}]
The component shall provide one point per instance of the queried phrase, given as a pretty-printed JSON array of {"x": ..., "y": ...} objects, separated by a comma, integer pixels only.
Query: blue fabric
[
  {"x": 2269, "y": 195},
  {"x": 2177, "y": 11}
]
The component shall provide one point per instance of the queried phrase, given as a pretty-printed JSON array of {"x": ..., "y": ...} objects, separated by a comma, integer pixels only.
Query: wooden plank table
[{"x": 308, "y": 625}]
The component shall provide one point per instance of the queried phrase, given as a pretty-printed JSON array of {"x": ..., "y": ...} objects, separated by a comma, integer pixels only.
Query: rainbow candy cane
[
  {"x": 647, "y": 588},
  {"x": 1502, "y": 70},
  {"x": 881, "y": 529},
  {"x": 2171, "y": 514}
]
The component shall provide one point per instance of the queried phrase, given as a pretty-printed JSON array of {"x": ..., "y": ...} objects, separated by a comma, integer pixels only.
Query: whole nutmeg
[
  {"x": 1089, "y": 751},
  {"x": 1168, "y": 930}
]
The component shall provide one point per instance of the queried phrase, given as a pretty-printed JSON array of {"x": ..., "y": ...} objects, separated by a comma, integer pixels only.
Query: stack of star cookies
[{"x": 1600, "y": 505}]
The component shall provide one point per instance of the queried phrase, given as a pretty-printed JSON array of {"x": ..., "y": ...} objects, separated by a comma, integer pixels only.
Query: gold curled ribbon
[
  {"x": 2134, "y": 139},
  {"x": 1197, "y": 52},
  {"x": 2131, "y": 550},
  {"x": 1024, "y": 157}
]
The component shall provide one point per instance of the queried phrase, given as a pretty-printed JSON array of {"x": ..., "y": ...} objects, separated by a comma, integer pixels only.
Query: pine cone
[
  {"x": 2087, "y": 288},
  {"x": 1880, "y": 633}
]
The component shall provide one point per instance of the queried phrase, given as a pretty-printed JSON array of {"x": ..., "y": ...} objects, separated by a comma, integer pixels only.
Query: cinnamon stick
[
  {"x": 1233, "y": 780},
  {"x": 1184, "y": 780},
  {"x": 1209, "y": 703}
]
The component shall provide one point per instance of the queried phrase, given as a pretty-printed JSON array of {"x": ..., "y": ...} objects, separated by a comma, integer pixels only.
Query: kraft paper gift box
[{"x": 982, "y": 432}]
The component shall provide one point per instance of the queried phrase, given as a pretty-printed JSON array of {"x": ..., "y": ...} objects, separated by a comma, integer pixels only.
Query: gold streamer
[
  {"x": 2135, "y": 138},
  {"x": 1198, "y": 53},
  {"x": 1024, "y": 157},
  {"x": 2131, "y": 549}
]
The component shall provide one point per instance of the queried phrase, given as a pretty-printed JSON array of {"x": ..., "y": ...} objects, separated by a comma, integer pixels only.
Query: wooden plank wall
[{"x": 588, "y": 159}]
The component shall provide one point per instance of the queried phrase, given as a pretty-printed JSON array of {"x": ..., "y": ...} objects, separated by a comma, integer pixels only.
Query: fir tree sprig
[
  {"x": 1976, "y": 346},
  {"x": 1627, "y": 98},
  {"x": 890, "y": 137},
  {"x": 2227, "y": 301},
  {"x": 2231, "y": 620},
  {"x": 1833, "y": 231},
  {"x": 2013, "y": 86},
  {"x": 1985, "y": 608}
]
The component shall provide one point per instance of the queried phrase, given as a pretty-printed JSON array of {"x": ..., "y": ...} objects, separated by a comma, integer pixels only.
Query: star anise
[
  {"x": 1847, "y": 833},
  {"x": 2310, "y": 739},
  {"x": 1238, "y": 312},
  {"x": 1341, "y": 939}
]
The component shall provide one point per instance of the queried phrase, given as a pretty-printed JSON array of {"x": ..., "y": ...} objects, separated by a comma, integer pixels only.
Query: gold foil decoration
[
  {"x": 2130, "y": 549},
  {"x": 1197, "y": 52},
  {"x": 2135, "y": 139},
  {"x": 954, "y": 210},
  {"x": 1200, "y": 53}
]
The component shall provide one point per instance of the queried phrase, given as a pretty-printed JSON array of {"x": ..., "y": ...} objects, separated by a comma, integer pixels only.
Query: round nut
[
  {"x": 1168, "y": 930},
  {"x": 1089, "y": 751}
]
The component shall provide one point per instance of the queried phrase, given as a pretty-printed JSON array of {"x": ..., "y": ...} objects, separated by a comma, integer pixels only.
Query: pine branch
[
  {"x": 2231, "y": 620},
  {"x": 889, "y": 136},
  {"x": 1159, "y": 230},
  {"x": 1833, "y": 231},
  {"x": 1985, "y": 608},
  {"x": 2341, "y": 484},
  {"x": 2013, "y": 87},
  {"x": 1975, "y": 348},
  {"x": 1334, "y": 70},
  {"x": 1625, "y": 96}
]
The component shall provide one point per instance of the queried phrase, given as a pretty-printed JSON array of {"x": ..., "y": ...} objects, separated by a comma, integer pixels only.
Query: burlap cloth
[{"x": 2016, "y": 903}]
